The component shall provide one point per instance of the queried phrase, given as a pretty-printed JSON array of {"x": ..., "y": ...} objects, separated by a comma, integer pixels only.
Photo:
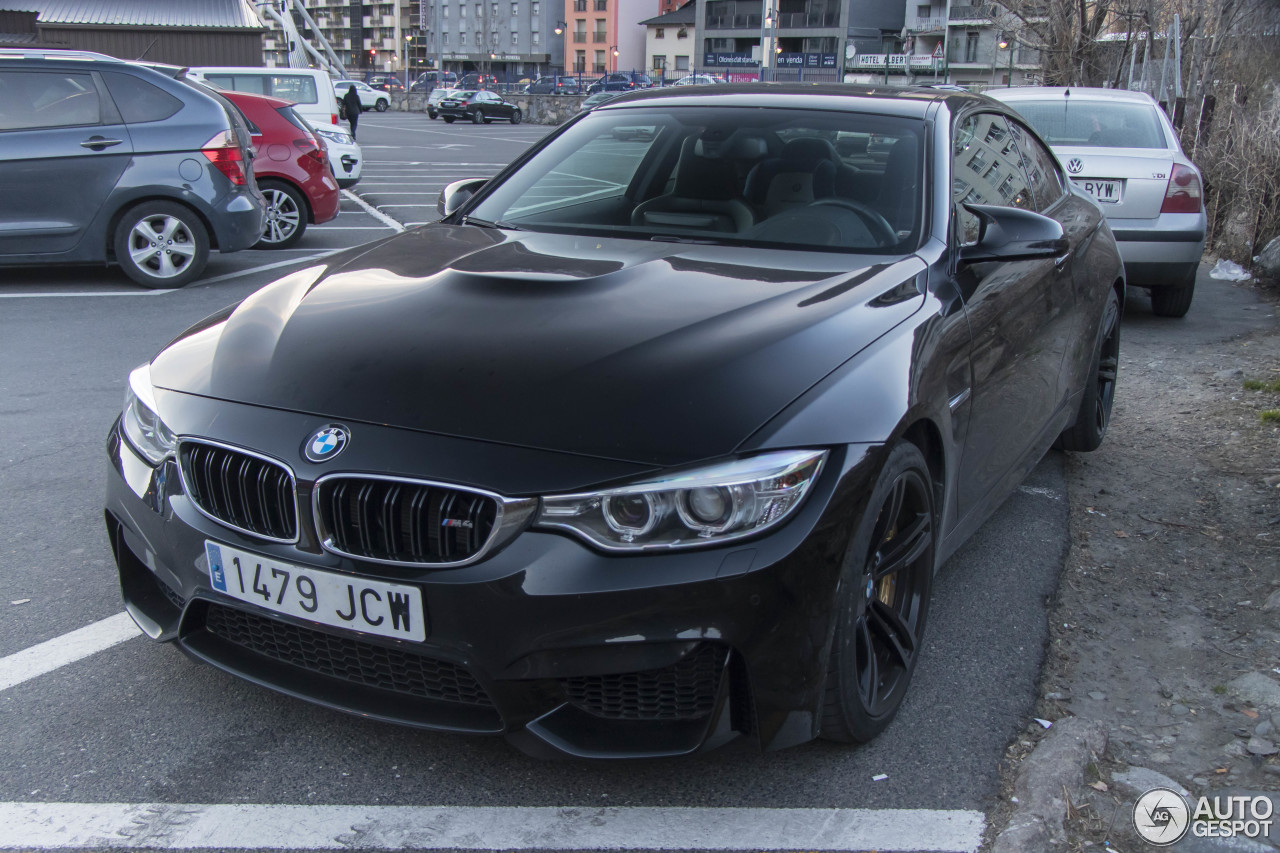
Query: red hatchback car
[{"x": 292, "y": 167}]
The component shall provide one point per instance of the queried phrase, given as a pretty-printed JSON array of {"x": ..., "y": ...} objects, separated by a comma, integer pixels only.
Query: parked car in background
[
  {"x": 476, "y": 80},
  {"x": 438, "y": 94},
  {"x": 387, "y": 84},
  {"x": 554, "y": 86},
  {"x": 730, "y": 403},
  {"x": 592, "y": 101},
  {"x": 108, "y": 161},
  {"x": 483, "y": 106},
  {"x": 1120, "y": 147},
  {"x": 310, "y": 90},
  {"x": 292, "y": 169},
  {"x": 699, "y": 80},
  {"x": 620, "y": 81},
  {"x": 345, "y": 157},
  {"x": 429, "y": 80},
  {"x": 370, "y": 98}
]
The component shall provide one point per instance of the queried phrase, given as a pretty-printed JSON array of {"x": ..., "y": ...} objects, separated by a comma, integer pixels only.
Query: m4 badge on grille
[{"x": 326, "y": 443}]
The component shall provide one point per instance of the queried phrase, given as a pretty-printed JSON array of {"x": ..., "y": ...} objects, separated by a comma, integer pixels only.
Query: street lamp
[
  {"x": 1007, "y": 43},
  {"x": 613, "y": 51},
  {"x": 766, "y": 24},
  {"x": 561, "y": 26}
]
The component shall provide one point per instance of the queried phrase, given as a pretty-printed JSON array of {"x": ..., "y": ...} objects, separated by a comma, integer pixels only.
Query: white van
[
  {"x": 310, "y": 89},
  {"x": 313, "y": 97}
]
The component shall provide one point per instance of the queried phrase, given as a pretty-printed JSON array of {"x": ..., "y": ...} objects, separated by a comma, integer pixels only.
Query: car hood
[{"x": 641, "y": 351}]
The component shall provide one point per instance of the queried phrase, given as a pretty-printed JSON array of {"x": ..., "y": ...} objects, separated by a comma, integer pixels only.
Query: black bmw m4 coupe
[{"x": 655, "y": 440}]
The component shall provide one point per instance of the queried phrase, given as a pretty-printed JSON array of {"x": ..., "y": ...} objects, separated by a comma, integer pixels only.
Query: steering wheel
[{"x": 883, "y": 233}]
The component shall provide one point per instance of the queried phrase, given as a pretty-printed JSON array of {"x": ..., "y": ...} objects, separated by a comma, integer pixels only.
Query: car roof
[
  {"x": 1084, "y": 93},
  {"x": 891, "y": 100},
  {"x": 250, "y": 97}
]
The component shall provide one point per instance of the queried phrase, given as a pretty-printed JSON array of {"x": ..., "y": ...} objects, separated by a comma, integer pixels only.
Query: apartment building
[
  {"x": 605, "y": 35},
  {"x": 978, "y": 45},
  {"x": 669, "y": 42},
  {"x": 794, "y": 39}
]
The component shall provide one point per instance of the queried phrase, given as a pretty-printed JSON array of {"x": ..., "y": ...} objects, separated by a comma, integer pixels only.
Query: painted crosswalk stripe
[
  {"x": 44, "y": 826},
  {"x": 68, "y": 648}
]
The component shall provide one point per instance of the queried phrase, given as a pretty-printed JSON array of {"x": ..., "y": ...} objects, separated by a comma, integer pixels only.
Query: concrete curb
[{"x": 1055, "y": 766}]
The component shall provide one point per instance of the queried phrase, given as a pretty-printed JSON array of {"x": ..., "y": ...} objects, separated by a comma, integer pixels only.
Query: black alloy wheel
[
  {"x": 477, "y": 116},
  {"x": 1094, "y": 414},
  {"x": 516, "y": 117},
  {"x": 883, "y": 602}
]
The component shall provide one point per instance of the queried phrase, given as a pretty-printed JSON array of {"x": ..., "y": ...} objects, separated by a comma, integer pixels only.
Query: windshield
[
  {"x": 836, "y": 181},
  {"x": 1094, "y": 123}
]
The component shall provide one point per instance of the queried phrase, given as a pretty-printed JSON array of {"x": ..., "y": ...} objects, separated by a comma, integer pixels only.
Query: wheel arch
[
  {"x": 311, "y": 216},
  {"x": 114, "y": 220},
  {"x": 927, "y": 437}
]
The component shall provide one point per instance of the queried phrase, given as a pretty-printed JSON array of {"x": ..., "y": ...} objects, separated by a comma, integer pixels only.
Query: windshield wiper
[
  {"x": 669, "y": 238},
  {"x": 485, "y": 223}
]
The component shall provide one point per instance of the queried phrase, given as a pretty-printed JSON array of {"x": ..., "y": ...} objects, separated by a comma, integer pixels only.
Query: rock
[
  {"x": 1261, "y": 746},
  {"x": 1264, "y": 729},
  {"x": 1054, "y": 766},
  {"x": 1231, "y": 373},
  {"x": 1179, "y": 710},
  {"x": 1257, "y": 688},
  {"x": 1235, "y": 749},
  {"x": 1061, "y": 695},
  {"x": 1268, "y": 260},
  {"x": 1273, "y": 600},
  {"x": 1098, "y": 696},
  {"x": 1138, "y": 780}
]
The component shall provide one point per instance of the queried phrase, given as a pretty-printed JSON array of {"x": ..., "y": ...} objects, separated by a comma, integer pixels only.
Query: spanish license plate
[
  {"x": 360, "y": 604},
  {"x": 1103, "y": 192}
]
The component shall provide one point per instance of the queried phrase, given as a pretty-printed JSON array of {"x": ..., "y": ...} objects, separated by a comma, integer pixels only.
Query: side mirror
[
  {"x": 1013, "y": 234},
  {"x": 456, "y": 194}
]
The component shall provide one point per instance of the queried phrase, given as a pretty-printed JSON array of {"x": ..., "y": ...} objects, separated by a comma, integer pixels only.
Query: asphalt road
[{"x": 140, "y": 723}]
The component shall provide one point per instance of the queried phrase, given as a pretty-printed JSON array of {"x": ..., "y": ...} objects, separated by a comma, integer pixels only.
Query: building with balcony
[
  {"x": 605, "y": 35},
  {"x": 970, "y": 44},
  {"x": 794, "y": 39},
  {"x": 669, "y": 42}
]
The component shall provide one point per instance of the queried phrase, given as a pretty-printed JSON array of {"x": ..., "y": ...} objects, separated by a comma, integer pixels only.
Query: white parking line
[
  {"x": 285, "y": 263},
  {"x": 167, "y": 826},
  {"x": 67, "y": 293},
  {"x": 60, "y": 651},
  {"x": 374, "y": 212},
  {"x": 350, "y": 228}
]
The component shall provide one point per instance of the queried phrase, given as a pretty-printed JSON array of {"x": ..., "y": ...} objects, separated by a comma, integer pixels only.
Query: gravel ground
[{"x": 1166, "y": 627}]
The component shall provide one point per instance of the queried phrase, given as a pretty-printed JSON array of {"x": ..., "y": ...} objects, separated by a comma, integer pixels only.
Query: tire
[
  {"x": 517, "y": 117},
  {"x": 477, "y": 117},
  {"x": 1094, "y": 414},
  {"x": 1175, "y": 299},
  {"x": 882, "y": 601},
  {"x": 286, "y": 215},
  {"x": 448, "y": 119},
  {"x": 161, "y": 244},
  {"x": 431, "y": 114},
  {"x": 381, "y": 105}
]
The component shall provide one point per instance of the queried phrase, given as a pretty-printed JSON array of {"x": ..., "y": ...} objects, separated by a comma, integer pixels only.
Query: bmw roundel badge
[{"x": 326, "y": 443}]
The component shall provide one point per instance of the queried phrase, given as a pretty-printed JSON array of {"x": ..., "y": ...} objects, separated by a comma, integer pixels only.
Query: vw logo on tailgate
[
  {"x": 1075, "y": 166},
  {"x": 326, "y": 443}
]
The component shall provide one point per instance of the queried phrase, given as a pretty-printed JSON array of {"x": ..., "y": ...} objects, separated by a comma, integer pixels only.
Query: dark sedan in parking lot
[
  {"x": 654, "y": 441},
  {"x": 476, "y": 107}
]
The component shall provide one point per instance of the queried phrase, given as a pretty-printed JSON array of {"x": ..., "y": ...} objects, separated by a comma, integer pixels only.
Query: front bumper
[{"x": 563, "y": 649}]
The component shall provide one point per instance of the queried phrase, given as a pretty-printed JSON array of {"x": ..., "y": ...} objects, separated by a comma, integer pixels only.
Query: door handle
[{"x": 97, "y": 143}]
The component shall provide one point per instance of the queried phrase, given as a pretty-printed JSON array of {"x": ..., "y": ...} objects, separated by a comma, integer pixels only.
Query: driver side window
[{"x": 985, "y": 169}]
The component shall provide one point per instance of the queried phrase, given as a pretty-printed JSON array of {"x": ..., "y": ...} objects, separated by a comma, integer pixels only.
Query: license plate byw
[
  {"x": 1103, "y": 192},
  {"x": 358, "y": 604}
]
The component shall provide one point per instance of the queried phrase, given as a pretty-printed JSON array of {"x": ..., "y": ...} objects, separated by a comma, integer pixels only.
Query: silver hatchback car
[{"x": 1120, "y": 148}]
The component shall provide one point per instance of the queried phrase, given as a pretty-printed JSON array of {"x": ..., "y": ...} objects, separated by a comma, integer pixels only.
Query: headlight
[
  {"x": 142, "y": 427},
  {"x": 705, "y": 506},
  {"x": 337, "y": 136}
]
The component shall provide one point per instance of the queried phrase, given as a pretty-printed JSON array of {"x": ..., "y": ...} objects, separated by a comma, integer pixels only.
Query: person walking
[{"x": 351, "y": 101}]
